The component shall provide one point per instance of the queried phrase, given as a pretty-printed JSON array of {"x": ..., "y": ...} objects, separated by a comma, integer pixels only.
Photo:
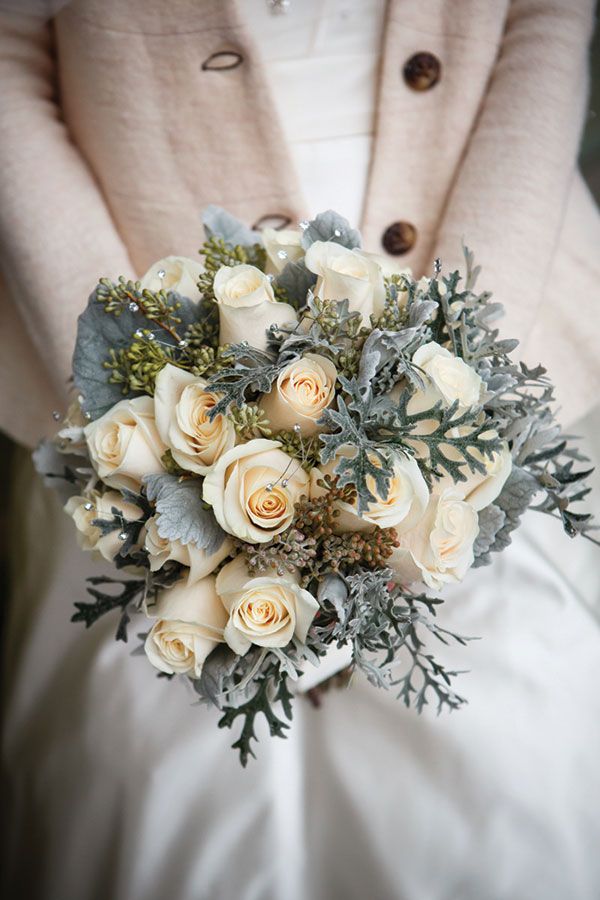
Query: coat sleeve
[
  {"x": 509, "y": 199},
  {"x": 56, "y": 233}
]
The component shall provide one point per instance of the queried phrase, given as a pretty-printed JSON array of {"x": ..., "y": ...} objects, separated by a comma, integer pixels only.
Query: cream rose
[
  {"x": 253, "y": 488},
  {"x": 182, "y": 407},
  {"x": 480, "y": 490},
  {"x": 85, "y": 510},
  {"x": 403, "y": 507},
  {"x": 263, "y": 611},
  {"x": 282, "y": 246},
  {"x": 247, "y": 306},
  {"x": 189, "y": 624},
  {"x": 347, "y": 275},
  {"x": 124, "y": 444},
  {"x": 174, "y": 273},
  {"x": 440, "y": 548},
  {"x": 200, "y": 563},
  {"x": 450, "y": 379},
  {"x": 302, "y": 392}
]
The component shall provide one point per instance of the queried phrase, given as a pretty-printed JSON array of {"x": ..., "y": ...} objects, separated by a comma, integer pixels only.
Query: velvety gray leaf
[
  {"x": 181, "y": 514},
  {"x": 380, "y": 348},
  {"x": 296, "y": 280},
  {"x": 99, "y": 332},
  {"x": 491, "y": 519},
  {"x": 420, "y": 312},
  {"x": 219, "y": 223},
  {"x": 332, "y": 589},
  {"x": 60, "y": 471},
  {"x": 330, "y": 226},
  {"x": 217, "y": 667}
]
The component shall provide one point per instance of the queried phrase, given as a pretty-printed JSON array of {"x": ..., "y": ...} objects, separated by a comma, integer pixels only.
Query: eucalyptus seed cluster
[
  {"x": 288, "y": 552},
  {"x": 157, "y": 306},
  {"x": 394, "y": 316},
  {"x": 249, "y": 421},
  {"x": 136, "y": 367},
  {"x": 305, "y": 449}
]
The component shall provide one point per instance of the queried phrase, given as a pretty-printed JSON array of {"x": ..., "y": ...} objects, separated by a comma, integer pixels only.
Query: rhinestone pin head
[
  {"x": 122, "y": 535},
  {"x": 337, "y": 232},
  {"x": 88, "y": 506},
  {"x": 284, "y": 483},
  {"x": 282, "y": 254},
  {"x": 304, "y": 224},
  {"x": 161, "y": 273},
  {"x": 182, "y": 344},
  {"x": 437, "y": 265},
  {"x": 138, "y": 334},
  {"x": 269, "y": 486},
  {"x": 297, "y": 428},
  {"x": 56, "y": 415},
  {"x": 133, "y": 307}
]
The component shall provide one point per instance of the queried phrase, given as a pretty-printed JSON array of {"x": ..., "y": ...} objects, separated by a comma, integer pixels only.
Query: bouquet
[{"x": 292, "y": 446}]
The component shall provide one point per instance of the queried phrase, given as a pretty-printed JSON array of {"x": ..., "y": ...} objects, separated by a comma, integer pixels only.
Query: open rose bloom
[{"x": 288, "y": 448}]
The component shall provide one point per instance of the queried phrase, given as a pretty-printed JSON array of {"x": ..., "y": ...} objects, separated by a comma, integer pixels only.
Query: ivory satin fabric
[{"x": 117, "y": 786}]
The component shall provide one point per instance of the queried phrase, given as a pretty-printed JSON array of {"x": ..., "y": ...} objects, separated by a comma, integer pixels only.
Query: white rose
[
  {"x": 180, "y": 274},
  {"x": 190, "y": 623},
  {"x": 480, "y": 490},
  {"x": 282, "y": 247},
  {"x": 403, "y": 507},
  {"x": 85, "y": 510},
  {"x": 182, "y": 407},
  {"x": 440, "y": 548},
  {"x": 124, "y": 444},
  {"x": 263, "y": 611},
  {"x": 303, "y": 390},
  {"x": 199, "y": 562},
  {"x": 450, "y": 379},
  {"x": 253, "y": 488},
  {"x": 247, "y": 306},
  {"x": 347, "y": 275}
]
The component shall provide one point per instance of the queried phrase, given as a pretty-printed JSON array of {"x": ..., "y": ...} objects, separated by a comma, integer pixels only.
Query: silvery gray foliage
[
  {"x": 97, "y": 334},
  {"x": 252, "y": 370},
  {"x": 330, "y": 226},
  {"x": 382, "y": 623},
  {"x": 181, "y": 513},
  {"x": 221, "y": 224},
  {"x": 390, "y": 350},
  {"x": 379, "y": 430},
  {"x": 491, "y": 519},
  {"x": 66, "y": 473},
  {"x": 296, "y": 280}
]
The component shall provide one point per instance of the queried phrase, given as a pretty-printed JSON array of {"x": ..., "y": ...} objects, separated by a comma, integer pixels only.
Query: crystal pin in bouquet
[{"x": 285, "y": 448}]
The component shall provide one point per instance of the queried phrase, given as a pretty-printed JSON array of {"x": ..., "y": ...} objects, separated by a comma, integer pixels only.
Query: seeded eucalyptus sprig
[{"x": 158, "y": 307}]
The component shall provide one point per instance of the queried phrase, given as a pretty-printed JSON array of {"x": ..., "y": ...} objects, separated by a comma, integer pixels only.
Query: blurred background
[{"x": 590, "y": 166}]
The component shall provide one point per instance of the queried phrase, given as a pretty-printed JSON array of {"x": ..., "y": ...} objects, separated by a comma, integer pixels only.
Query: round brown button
[
  {"x": 399, "y": 238},
  {"x": 422, "y": 71}
]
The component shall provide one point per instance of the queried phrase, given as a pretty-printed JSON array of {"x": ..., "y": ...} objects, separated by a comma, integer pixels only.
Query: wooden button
[
  {"x": 422, "y": 71},
  {"x": 399, "y": 238}
]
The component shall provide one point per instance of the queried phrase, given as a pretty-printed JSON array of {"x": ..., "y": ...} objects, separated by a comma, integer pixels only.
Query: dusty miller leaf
[
  {"x": 491, "y": 519},
  {"x": 99, "y": 332},
  {"x": 330, "y": 226},
  {"x": 181, "y": 514},
  {"x": 221, "y": 224}
]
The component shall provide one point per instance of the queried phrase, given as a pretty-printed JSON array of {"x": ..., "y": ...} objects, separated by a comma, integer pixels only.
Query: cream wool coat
[{"x": 113, "y": 137}]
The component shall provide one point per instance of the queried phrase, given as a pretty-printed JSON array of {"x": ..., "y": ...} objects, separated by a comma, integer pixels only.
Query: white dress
[{"x": 120, "y": 788}]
